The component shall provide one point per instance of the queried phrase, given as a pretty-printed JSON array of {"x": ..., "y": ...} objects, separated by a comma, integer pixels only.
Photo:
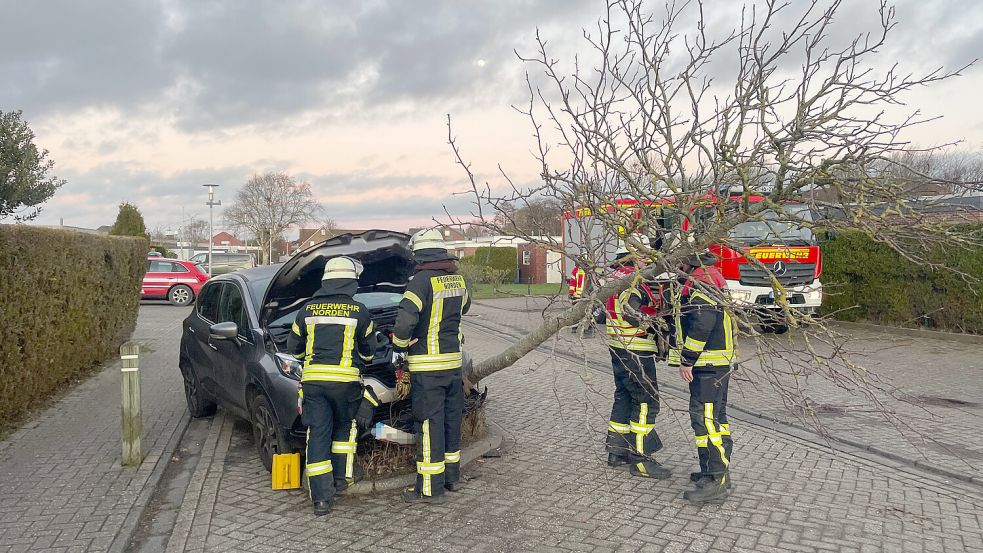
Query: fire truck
[{"x": 784, "y": 249}]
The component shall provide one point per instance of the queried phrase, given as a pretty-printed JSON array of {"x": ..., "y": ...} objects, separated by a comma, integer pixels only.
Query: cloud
[
  {"x": 230, "y": 63},
  {"x": 90, "y": 199},
  {"x": 145, "y": 101}
]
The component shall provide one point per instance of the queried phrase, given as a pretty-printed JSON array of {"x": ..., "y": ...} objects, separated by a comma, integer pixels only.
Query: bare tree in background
[
  {"x": 270, "y": 203},
  {"x": 194, "y": 230},
  {"x": 772, "y": 107},
  {"x": 538, "y": 216}
]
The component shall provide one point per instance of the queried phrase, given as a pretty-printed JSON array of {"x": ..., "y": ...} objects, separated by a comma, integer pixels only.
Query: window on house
[{"x": 527, "y": 257}]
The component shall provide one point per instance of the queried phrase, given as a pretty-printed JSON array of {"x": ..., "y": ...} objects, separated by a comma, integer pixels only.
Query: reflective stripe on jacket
[
  {"x": 703, "y": 334},
  {"x": 430, "y": 312},
  {"x": 626, "y": 313},
  {"x": 332, "y": 335},
  {"x": 577, "y": 281}
]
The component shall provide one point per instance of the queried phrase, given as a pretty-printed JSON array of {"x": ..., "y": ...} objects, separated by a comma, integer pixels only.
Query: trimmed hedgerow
[
  {"x": 68, "y": 301},
  {"x": 865, "y": 280},
  {"x": 502, "y": 260}
]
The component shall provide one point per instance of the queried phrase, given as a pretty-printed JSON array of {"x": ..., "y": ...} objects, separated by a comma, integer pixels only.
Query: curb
[
  {"x": 492, "y": 440},
  {"x": 128, "y": 528},
  {"x": 973, "y": 339}
]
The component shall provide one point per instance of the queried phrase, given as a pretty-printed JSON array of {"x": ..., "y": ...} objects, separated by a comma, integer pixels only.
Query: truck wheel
[
  {"x": 199, "y": 405},
  {"x": 180, "y": 295},
  {"x": 266, "y": 432}
]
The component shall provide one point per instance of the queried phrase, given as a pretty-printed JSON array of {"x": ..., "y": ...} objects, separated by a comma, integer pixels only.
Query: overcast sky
[{"x": 146, "y": 101}]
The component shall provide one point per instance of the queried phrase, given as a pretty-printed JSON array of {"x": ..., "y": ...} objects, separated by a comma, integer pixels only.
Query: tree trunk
[{"x": 551, "y": 324}]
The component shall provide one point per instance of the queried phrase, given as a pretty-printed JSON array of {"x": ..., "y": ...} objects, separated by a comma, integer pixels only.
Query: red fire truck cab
[{"x": 783, "y": 249}]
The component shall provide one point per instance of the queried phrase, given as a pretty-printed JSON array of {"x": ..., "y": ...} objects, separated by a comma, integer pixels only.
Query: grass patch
[{"x": 491, "y": 291}]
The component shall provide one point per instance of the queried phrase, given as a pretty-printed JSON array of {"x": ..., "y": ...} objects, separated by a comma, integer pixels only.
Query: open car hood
[{"x": 384, "y": 254}]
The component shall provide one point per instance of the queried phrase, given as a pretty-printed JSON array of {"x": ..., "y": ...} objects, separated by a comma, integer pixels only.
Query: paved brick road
[
  {"x": 62, "y": 485},
  {"x": 63, "y": 489},
  {"x": 550, "y": 491},
  {"x": 937, "y": 387}
]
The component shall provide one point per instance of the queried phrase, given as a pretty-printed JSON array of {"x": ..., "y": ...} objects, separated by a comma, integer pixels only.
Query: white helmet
[
  {"x": 637, "y": 239},
  {"x": 342, "y": 267},
  {"x": 428, "y": 245},
  {"x": 428, "y": 239}
]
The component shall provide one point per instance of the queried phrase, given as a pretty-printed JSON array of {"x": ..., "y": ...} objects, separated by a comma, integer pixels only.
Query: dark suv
[{"x": 233, "y": 343}]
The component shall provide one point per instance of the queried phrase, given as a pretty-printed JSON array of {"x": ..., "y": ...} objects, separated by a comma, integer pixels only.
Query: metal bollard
[{"x": 132, "y": 417}]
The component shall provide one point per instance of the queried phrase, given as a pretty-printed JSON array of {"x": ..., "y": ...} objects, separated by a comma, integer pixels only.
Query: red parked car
[{"x": 176, "y": 280}]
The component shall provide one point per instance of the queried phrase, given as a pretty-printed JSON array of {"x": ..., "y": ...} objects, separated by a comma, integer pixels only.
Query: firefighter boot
[
  {"x": 452, "y": 477},
  {"x": 650, "y": 468},
  {"x": 701, "y": 480},
  {"x": 410, "y": 495},
  {"x": 322, "y": 508},
  {"x": 617, "y": 460},
  {"x": 711, "y": 490},
  {"x": 343, "y": 484}
]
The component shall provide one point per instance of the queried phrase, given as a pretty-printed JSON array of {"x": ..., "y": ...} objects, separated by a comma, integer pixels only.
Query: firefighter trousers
[
  {"x": 328, "y": 410},
  {"x": 708, "y": 416},
  {"x": 438, "y": 408},
  {"x": 631, "y": 430}
]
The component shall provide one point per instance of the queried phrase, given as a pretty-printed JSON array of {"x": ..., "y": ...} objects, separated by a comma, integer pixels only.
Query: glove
[
  {"x": 363, "y": 417},
  {"x": 366, "y": 409}
]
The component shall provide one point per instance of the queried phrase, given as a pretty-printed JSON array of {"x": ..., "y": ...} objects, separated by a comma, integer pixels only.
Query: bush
[
  {"x": 866, "y": 280},
  {"x": 162, "y": 250},
  {"x": 69, "y": 300},
  {"x": 502, "y": 259},
  {"x": 480, "y": 274}
]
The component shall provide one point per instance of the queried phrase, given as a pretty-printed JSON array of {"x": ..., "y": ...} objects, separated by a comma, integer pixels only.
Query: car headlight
[{"x": 289, "y": 366}]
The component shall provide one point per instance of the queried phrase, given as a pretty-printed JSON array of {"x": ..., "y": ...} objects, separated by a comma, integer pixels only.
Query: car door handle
[
  {"x": 211, "y": 345},
  {"x": 191, "y": 329}
]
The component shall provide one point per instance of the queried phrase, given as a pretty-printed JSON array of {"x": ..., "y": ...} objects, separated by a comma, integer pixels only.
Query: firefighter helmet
[
  {"x": 428, "y": 245},
  {"x": 342, "y": 267}
]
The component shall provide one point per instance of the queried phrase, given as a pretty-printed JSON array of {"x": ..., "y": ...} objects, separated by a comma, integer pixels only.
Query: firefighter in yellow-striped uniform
[
  {"x": 703, "y": 348},
  {"x": 334, "y": 336},
  {"x": 630, "y": 321},
  {"x": 428, "y": 329}
]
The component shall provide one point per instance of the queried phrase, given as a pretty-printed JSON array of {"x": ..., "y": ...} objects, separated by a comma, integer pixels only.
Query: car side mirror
[{"x": 223, "y": 331}]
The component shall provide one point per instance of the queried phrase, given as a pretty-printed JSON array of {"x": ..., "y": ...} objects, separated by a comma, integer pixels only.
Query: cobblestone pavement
[
  {"x": 62, "y": 485},
  {"x": 936, "y": 387},
  {"x": 550, "y": 489}
]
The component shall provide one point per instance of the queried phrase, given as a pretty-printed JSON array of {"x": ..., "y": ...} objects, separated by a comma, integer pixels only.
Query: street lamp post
[{"x": 211, "y": 203}]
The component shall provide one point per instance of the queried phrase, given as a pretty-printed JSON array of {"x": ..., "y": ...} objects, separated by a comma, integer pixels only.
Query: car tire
[
  {"x": 199, "y": 404},
  {"x": 267, "y": 434},
  {"x": 180, "y": 295}
]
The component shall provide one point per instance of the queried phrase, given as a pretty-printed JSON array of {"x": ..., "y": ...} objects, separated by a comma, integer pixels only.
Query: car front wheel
[
  {"x": 198, "y": 404},
  {"x": 267, "y": 433},
  {"x": 180, "y": 295}
]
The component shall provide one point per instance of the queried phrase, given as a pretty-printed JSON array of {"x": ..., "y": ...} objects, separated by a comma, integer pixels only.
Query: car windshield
[
  {"x": 775, "y": 228},
  {"x": 372, "y": 300}
]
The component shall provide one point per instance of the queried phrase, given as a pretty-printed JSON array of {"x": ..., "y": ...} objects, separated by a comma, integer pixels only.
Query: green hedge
[
  {"x": 479, "y": 274},
  {"x": 69, "y": 300},
  {"x": 502, "y": 259},
  {"x": 866, "y": 280}
]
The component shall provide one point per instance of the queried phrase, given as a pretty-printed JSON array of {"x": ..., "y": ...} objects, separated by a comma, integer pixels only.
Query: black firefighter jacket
[
  {"x": 333, "y": 334},
  {"x": 430, "y": 312}
]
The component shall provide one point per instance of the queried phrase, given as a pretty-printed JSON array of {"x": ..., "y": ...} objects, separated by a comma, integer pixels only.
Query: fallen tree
[{"x": 657, "y": 109}]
